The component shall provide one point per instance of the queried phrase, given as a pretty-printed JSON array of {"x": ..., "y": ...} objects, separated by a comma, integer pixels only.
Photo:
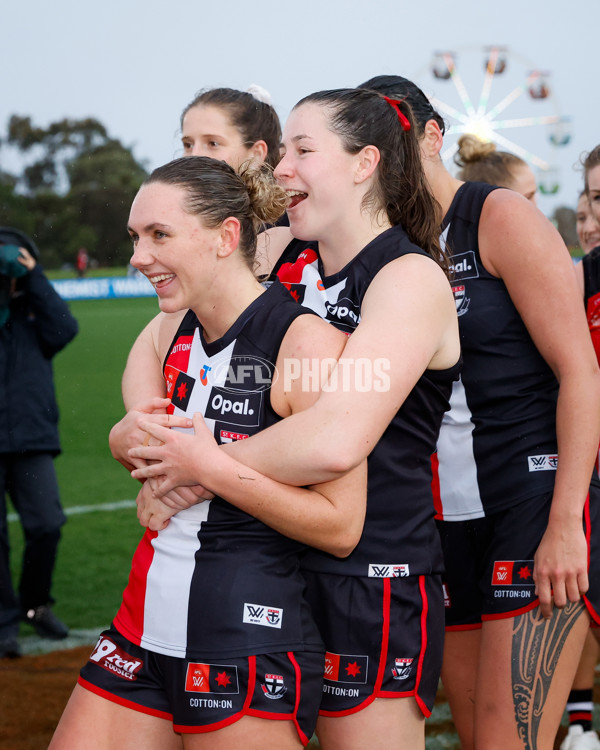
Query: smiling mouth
[
  {"x": 159, "y": 278},
  {"x": 295, "y": 196}
]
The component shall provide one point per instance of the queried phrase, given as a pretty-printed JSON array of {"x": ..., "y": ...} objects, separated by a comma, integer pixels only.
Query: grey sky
[{"x": 134, "y": 65}]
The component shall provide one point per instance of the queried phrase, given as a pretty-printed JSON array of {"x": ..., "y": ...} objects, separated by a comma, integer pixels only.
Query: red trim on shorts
[
  {"x": 588, "y": 526},
  {"x": 394, "y": 694},
  {"x": 415, "y": 693},
  {"x": 273, "y": 716},
  {"x": 251, "y": 682},
  {"x": 123, "y": 701},
  {"x": 595, "y": 623},
  {"x": 385, "y": 636},
  {"x": 513, "y": 613},
  {"x": 458, "y": 628},
  {"x": 188, "y": 729},
  {"x": 424, "y": 611},
  {"x": 595, "y": 616},
  {"x": 303, "y": 738},
  {"x": 385, "y": 640}
]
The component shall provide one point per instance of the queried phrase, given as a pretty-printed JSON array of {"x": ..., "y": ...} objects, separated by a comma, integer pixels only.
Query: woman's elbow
[
  {"x": 344, "y": 543},
  {"x": 337, "y": 457}
]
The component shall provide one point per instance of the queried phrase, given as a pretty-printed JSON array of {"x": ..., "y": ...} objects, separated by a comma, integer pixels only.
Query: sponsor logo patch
[
  {"x": 549, "y": 462},
  {"x": 273, "y": 687},
  {"x": 261, "y": 614},
  {"x": 344, "y": 312},
  {"x": 513, "y": 573},
  {"x": 112, "y": 658},
  {"x": 211, "y": 678},
  {"x": 388, "y": 570},
  {"x": 242, "y": 409},
  {"x": 346, "y": 668},
  {"x": 231, "y": 437},
  {"x": 464, "y": 266},
  {"x": 401, "y": 669},
  {"x": 204, "y": 370}
]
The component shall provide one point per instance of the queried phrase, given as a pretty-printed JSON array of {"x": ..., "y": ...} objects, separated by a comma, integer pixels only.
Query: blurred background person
[
  {"x": 482, "y": 162},
  {"x": 82, "y": 262},
  {"x": 35, "y": 324}
]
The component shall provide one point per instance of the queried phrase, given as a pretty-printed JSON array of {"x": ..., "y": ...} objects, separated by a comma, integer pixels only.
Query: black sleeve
[{"x": 54, "y": 324}]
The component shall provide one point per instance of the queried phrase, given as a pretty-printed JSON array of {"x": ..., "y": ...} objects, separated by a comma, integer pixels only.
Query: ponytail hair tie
[{"x": 404, "y": 121}]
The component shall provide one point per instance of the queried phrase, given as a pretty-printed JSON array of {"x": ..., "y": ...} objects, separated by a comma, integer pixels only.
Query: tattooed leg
[
  {"x": 536, "y": 647},
  {"x": 526, "y": 666}
]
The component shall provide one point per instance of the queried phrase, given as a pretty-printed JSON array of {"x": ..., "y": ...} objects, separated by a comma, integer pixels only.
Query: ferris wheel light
[
  {"x": 479, "y": 127},
  {"x": 484, "y": 117}
]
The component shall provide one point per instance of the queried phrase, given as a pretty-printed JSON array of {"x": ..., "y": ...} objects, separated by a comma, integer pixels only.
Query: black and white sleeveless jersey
[
  {"x": 216, "y": 582},
  {"x": 497, "y": 444},
  {"x": 399, "y": 536}
]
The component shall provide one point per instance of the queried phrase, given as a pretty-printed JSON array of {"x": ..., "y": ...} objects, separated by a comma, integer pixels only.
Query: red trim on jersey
[
  {"x": 179, "y": 356},
  {"x": 130, "y": 617},
  {"x": 123, "y": 701},
  {"x": 435, "y": 487}
]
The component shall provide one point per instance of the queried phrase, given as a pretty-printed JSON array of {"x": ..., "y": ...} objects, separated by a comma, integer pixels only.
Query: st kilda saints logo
[
  {"x": 273, "y": 687},
  {"x": 460, "y": 299},
  {"x": 401, "y": 669}
]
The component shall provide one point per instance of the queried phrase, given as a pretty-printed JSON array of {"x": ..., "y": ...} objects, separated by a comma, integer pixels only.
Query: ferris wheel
[{"x": 499, "y": 96}]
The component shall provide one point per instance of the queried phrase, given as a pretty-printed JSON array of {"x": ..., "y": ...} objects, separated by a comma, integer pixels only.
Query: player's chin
[{"x": 170, "y": 305}]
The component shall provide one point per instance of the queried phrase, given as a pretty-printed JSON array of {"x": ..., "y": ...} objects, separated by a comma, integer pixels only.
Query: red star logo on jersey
[
  {"x": 222, "y": 679},
  {"x": 353, "y": 669},
  {"x": 525, "y": 572},
  {"x": 182, "y": 392}
]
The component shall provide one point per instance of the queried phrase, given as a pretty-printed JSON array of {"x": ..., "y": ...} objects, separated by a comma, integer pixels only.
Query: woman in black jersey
[
  {"x": 214, "y": 645},
  {"x": 361, "y": 212},
  {"x": 514, "y": 460}
]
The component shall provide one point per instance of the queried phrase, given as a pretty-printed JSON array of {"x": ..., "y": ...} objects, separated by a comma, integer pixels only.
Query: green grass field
[{"x": 96, "y": 547}]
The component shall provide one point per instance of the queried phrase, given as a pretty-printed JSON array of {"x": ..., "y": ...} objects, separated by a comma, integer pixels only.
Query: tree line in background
[
  {"x": 74, "y": 189},
  {"x": 76, "y": 186}
]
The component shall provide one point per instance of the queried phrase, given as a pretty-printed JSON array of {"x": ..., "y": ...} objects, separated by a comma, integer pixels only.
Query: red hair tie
[{"x": 404, "y": 121}]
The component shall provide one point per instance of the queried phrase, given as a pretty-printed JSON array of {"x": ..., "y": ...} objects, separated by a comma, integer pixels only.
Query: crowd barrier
[{"x": 104, "y": 288}]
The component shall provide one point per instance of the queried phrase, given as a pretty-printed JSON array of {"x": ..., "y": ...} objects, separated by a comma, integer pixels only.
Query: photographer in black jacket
[{"x": 35, "y": 324}]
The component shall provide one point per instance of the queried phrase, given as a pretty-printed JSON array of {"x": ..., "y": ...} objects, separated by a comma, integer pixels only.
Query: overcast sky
[{"x": 134, "y": 65}]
